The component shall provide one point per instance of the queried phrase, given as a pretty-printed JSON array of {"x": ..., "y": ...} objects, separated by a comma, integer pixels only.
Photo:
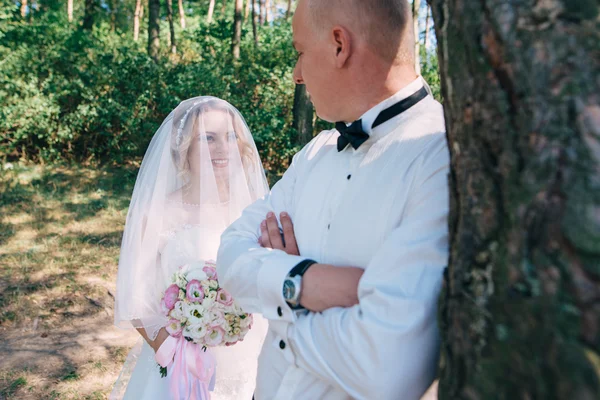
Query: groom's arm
[{"x": 386, "y": 347}]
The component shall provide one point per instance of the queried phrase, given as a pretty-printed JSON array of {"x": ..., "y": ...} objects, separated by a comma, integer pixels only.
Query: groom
[{"x": 351, "y": 290}]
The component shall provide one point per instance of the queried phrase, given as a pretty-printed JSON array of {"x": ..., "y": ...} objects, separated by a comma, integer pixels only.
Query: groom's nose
[{"x": 298, "y": 74}]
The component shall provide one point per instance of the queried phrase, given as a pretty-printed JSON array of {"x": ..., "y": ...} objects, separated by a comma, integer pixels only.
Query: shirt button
[
  {"x": 281, "y": 344},
  {"x": 279, "y": 312},
  {"x": 328, "y": 226},
  {"x": 349, "y": 176}
]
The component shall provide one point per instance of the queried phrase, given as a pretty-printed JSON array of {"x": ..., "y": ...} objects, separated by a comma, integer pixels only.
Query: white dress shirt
[{"x": 383, "y": 208}]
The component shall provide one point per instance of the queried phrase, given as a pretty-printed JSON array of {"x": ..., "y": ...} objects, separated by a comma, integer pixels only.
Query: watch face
[{"x": 289, "y": 289}]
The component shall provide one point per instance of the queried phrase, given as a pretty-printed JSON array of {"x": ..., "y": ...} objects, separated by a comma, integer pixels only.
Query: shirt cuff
[{"x": 273, "y": 272}]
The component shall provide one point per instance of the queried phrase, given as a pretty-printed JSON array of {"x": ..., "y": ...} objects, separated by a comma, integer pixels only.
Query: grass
[{"x": 60, "y": 233}]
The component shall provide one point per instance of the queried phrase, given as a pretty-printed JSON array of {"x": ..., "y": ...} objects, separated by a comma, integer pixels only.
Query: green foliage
[{"x": 73, "y": 95}]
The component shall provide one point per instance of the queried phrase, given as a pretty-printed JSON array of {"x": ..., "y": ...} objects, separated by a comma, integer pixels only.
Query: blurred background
[{"x": 84, "y": 84}]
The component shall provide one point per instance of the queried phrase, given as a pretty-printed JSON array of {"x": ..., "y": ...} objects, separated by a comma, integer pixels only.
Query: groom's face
[{"x": 314, "y": 67}]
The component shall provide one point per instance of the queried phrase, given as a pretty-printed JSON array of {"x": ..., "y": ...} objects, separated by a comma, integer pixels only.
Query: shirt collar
[{"x": 369, "y": 117}]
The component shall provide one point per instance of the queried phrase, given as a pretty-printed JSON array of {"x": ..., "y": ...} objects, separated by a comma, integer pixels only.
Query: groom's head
[{"x": 352, "y": 53}]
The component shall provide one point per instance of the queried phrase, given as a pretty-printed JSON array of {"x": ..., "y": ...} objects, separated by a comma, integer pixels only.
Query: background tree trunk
[
  {"x": 181, "y": 13},
  {"x": 303, "y": 113},
  {"x": 288, "y": 12},
  {"x": 211, "y": 10},
  {"x": 261, "y": 16},
  {"x": 267, "y": 11},
  {"x": 426, "y": 36},
  {"x": 254, "y": 29},
  {"x": 69, "y": 10},
  {"x": 24, "y": 8},
  {"x": 137, "y": 16},
  {"x": 171, "y": 26},
  {"x": 237, "y": 29},
  {"x": 415, "y": 13},
  {"x": 223, "y": 7},
  {"x": 247, "y": 11},
  {"x": 520, "y": 310},
  {"x": 113, "y": 15},
  {"x": 154, "y": 28},
  {"x": 89, "y": 14}
]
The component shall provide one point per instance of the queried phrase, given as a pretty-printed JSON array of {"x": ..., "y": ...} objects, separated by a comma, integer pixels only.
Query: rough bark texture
[
  {"x": 415, "y": 12},
  {"x": 171, "y": 26},
  {"x": 137, "y": 15},
  {"x": 154, "y": 28},
  {"x": 237, "y": 29},
  {"x": 519, "y": 313},
  {"x": 181, "y": 13},
  {"x": 303, "y": 113}
]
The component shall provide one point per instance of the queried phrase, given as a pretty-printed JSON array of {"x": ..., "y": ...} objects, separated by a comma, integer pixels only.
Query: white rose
[
  {"x": 177, "y": 311},
  {"x": 213, "y": 284},
  {"x": 196, "y": 331},
  {"x": 196, "y": 274},
  {"x": 208, "y": 303},
  {"x": 195, "y": 313},
  {"x": 212, "y": 295}
]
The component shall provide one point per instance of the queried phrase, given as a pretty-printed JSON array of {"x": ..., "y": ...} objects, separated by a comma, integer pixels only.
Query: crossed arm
[{"x": 323, "y": 286}]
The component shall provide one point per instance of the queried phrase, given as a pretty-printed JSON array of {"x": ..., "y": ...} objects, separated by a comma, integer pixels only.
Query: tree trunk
[
  {"x": 113, "y": 15},
  {"x": 211, "y": 10},
  {"x": 89, "y": 14},
  {"x": 223, "y": 7},
  {"x": 247, "y": 11},
  {"x": 303, "y": 113},
  {"x": 171, "y": 26},
  {"x": 69, "y": 10},
  {"x": 288, "y": 12},
  {"x": 154, "y": 29},
  {"x": 254, "y": 29},
  {"x": 426, "y": 36},
  {"x": 520, "y": 309},
  {"x": 415, "y": 13},
  {"x": 24, "y": 8},
  {"x": 181, "y": 13},
  {"x": 137, "y": 16},
  {"x": 267, "y": 11},
  {"x": 237, "y": 29},
  {"x": 261, "y": 19}
]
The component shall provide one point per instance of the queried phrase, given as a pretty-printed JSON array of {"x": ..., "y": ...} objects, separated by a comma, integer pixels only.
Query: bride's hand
[
  {"x": 160, "y": 339},
  {"x": 271, "y": 236}
]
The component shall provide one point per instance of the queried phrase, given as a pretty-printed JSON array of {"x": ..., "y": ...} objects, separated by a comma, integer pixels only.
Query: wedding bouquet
[{"x": 201, "y": 315}]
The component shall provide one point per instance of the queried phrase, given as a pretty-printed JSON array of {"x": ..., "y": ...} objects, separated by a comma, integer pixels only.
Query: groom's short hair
[{"x": 384, "y": 24}]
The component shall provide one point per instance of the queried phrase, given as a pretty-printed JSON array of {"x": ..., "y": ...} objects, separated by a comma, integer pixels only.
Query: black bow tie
[{"x": 355, "y": 135}]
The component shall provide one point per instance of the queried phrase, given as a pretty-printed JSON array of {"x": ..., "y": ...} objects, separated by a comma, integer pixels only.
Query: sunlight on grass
[{"x": 60, "y": 234}]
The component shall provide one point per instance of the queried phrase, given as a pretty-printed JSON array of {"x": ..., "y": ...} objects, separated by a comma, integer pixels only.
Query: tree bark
[
  {"x": 237, "y": 29},
  {"x": 247, "y": 11},
  {"x": 89, "y": 14},
  {"x": 288, "y": 12},
  {"x": 426, "y": 36},
  {"x": 211, "y": 10},
  {"x": 223, "y": 7},
  {"x": 23, "y": 8},
  {"x": 171, "y": 26},
  {"x": 137, "y": 16},
  {"x": 154, "y": 29},
  {"x": 415, "y": 13},
  {"x": 69, "y": 9},
  {"x": 267, "y": 11},
  {"x": 113, "y": 15},
  {"x": 181, "y": 13},
  {"x": 520, "y": 309},
  {"x": 254, "y": 29},
  {"x": 303, "y": 113},
  {"x": 261, "y": 19}
]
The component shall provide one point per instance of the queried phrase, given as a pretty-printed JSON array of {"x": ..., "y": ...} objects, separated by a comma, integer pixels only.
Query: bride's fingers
[
  {"x": 264, "y": 236},
  {"x": 289, "y": 236},
  {"x": 274, "y": 234}
]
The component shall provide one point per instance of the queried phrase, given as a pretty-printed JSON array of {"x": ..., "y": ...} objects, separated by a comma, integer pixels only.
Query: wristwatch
[{"x": 292, "y": 284}]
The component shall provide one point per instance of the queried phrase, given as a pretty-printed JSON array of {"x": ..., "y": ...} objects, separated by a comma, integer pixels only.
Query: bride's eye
[{"x": 209, "y": 138}]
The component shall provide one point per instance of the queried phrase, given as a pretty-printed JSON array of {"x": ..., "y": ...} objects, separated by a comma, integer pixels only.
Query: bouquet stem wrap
[{"x": 184, "y": 356}]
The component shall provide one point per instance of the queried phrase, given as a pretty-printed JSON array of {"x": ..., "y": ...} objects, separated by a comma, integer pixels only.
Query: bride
[{"x": 200, "y": 171}]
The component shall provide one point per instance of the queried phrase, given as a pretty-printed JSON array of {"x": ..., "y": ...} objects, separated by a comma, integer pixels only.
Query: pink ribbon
[{"x": 184, "y": 357}]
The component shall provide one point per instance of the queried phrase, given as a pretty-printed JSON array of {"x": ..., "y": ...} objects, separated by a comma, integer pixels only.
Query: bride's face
[{"x": 218, "y": 136}]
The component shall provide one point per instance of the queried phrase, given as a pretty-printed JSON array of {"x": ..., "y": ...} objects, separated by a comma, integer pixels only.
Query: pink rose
[
  {"x": 170, "y": 297},
  {"x": 194, "y": 292},
  {"x": 214, "y": 337},
  {"x": 174, "y": 328},
  {"x": 224, "y": 297},
  {"x": 211, "y": 272}
]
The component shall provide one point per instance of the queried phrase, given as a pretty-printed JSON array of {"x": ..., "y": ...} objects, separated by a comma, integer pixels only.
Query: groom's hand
[{"x": 273, "y": 238}]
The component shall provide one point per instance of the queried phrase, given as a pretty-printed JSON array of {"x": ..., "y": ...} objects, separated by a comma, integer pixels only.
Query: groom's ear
[{"x": 342, "y": 45}]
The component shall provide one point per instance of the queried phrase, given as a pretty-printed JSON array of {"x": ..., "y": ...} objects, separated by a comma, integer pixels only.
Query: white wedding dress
[{"x": 237, "y": 364}]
